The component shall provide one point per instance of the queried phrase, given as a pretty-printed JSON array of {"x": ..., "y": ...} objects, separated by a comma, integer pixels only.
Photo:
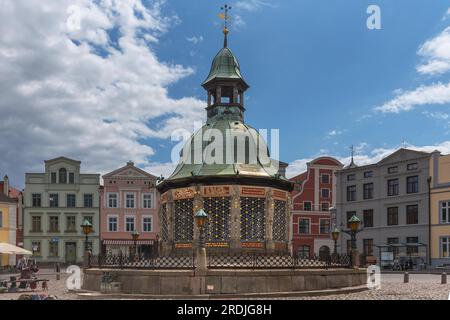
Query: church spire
[{"x": 225, "y": 17}]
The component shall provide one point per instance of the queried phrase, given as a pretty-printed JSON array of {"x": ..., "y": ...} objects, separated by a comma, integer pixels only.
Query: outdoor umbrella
[{"x": 6, "y": 248}]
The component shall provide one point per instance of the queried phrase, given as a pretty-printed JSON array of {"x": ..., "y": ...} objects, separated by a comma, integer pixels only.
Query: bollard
[
  {"x": 443, "y": 278},
  {"x": 406, "y": 277},
  {"x": 58, "y": 271}
]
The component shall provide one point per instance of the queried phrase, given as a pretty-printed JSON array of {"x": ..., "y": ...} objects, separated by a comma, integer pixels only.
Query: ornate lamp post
[
  {"x": 86, "y": 226},
  {"x": 354, "y": 223},
  {"x": 135, "y": 236},
  {"x": 335, "y": 235},
  {"x": 201, "y": 264}
]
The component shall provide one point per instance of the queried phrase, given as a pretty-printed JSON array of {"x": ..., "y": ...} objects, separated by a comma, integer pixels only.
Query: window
[
  {"x": 445, "y": 212},
  {"x": 62, "y": 175},
  {"x": 54, "y": 224},
  {"x": 368, "y": 191},
  {"x": 412, "y": 214},
  {"x": 303, "y": 251},
  {"x": 303, "y": 226},
  {"x": 71, "y": 224},
  {"x": 71, "y": 201},
  {"x": 325, "y": 178},
  {"x": 351, "y": 177},
  {"x": 53, "y": 249},
  {"x": 71, "y": 177},
  {"x": 88, "y": 199},
  {"x": 112, "y": 200},
  {"x": 368, "y": 174},
  {"x": 392, "y": 216},
  {"x": 412, "y": 166},
  {"x": 1, "y": 219},
  {"x": 53, "y": 177},
  {"x": 307, "y": 206},
  {"x": 392, "y": 170},
  {"x": 368, "y": 247},
  {"x": 393, "y": 241},
  {"x": 130, "y": 200},
  {"x": 412, "y": 184},
  {"x": 393, "y": 187},
  {"x": 325, "y": 193},
  {"x": 351, "y": 193},
  {"x": 129, "y": 224},
  {"x": 368, "y": 218},
  {"x": 324, "y": 226},
  {"x": 36, "y": 224},
  {"x": 147, "y": 224},
  {"x": 147, "y": 201},
  {"x": 445, "y": 247},
  {"x": 36, "y": 248},
  {"x": 325, "y": 206},
  {"x": 54, "y": 200},
  {"x": 410, "y": 250},
  {"x": 349, "y": 215},
  {"x": 112, "y": 224},
  {"x": 36, "y": 199}
]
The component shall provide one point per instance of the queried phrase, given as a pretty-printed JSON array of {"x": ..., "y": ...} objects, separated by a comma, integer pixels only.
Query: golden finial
[{"x": 225, "y": 16}]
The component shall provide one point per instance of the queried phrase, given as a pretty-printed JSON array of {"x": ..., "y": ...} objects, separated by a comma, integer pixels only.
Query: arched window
[{"x": 62, "y": 175}]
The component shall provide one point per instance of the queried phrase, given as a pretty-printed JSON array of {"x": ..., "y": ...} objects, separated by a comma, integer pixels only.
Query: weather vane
[
  {"x": 225, "y": 17},
  {"x": 352, "y": 149}
]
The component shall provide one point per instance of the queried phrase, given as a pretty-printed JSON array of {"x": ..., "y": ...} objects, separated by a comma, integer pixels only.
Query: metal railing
[{"x": 215, "y": 261}]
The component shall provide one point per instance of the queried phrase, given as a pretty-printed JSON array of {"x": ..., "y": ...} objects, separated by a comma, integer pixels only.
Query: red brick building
[{"x": 314, "y": 193}]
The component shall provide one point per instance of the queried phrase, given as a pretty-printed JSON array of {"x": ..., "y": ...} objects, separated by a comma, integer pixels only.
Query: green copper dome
[{"x": 224, "y": 66}]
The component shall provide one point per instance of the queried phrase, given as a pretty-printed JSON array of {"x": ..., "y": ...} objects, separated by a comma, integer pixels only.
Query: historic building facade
[
  {"x": 313, "y": 195},
  {"x": 129, "y": 202},
  {"x": 56, "y": 202},
  {"x": 391, "y": 199},
  {"x": 10, "y": 207},
  {"x": 246, "y": 199},
  {"x": 440, "y": 209}
]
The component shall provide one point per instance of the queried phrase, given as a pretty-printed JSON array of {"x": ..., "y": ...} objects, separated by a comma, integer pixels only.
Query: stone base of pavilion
[{"x": 223, "y": 282}]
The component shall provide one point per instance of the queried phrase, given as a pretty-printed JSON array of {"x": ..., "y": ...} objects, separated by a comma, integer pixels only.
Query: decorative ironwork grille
[
  {"x": 164, "y": 223},
  {"x": 184, "y": 220},
  {"x": 218, "y": 210},
  {"x": 253, "y": 219},
  {"x": 279, "y": 227}
]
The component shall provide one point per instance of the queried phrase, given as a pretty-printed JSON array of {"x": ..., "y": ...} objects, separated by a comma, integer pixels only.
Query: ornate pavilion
[{"x": 247, "y": 202}]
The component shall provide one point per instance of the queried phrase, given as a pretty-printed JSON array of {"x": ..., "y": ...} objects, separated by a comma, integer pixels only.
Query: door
[
  {"x": 71, "y": 252},
  {"x": 324, "y": 253}
]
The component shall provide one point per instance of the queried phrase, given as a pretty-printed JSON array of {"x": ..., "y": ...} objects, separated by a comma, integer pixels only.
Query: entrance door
[
  {"x": 71, "y": 252},
  {"x": 324, "y": 253}
]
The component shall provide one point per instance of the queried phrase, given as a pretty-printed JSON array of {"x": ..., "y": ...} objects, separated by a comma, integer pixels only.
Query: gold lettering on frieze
[
  {"x": 216, "y": 191},
  {"x": 184, "y": 193}
]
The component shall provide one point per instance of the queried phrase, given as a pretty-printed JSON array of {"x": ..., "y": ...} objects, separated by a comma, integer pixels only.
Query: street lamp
[
  {"x": 354, "y": 223},
  {"x": 335, "y": 235},
  {"x": 200, "y": 219},
  {"x": 135, "y": 236},
  {"x": 86, "y": 226}
]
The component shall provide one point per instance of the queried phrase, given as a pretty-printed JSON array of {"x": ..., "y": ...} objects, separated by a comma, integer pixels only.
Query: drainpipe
[{"x": 429, "y": 220}]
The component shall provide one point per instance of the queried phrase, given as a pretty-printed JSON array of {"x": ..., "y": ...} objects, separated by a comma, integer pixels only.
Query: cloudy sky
[{"x": 108, "y": 81}]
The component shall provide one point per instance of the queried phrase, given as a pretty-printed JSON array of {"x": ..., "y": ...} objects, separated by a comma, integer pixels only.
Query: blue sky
[
  {"x": 105, "y": 82},
  {"x": 315, "y": 69}
]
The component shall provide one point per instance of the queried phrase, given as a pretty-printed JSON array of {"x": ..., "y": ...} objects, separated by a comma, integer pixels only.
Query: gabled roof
[
  {"x": 129, "y": 166},
  {"x": 62, "y": 159},
  {"x": 4, "y": 198},
  {"x": 402, "y": 154}
]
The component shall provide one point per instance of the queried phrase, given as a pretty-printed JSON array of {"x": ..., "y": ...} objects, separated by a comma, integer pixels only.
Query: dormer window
[{"x": 62, "y": 175}]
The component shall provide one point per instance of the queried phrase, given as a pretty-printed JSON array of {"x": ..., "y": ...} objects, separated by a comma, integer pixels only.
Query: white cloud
[
  {"x": 195, "y": 39},
  {"x": 298, "y": 166},
  {"x": 437, "y": 115},
  {"x": 334, "y": 132},
  {"x": 59, "y": 96},
  {"x": 253, "y": 5},
  {"x": 436, "y": 53},
  {"x": 436, "y": 93}
]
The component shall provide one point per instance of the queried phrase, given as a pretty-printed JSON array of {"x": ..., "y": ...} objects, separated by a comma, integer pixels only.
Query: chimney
[{"x": 6, "y": 185}]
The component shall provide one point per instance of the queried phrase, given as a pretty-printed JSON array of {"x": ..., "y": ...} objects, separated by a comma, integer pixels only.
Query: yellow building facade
[
  {"x": 440, "y": 209},
  {"x": 8, "y": 220}
]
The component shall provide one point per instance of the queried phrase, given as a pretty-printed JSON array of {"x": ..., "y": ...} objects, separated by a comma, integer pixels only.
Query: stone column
[
  {"x": 270, "y": 207},
  {"x": 218, "y": 94},
  {"x": 235, "y": 219},
  {"x": 209, "y": 98},
  {"x": 235, "y": 95},
  {"x": 167, "y": 246}
]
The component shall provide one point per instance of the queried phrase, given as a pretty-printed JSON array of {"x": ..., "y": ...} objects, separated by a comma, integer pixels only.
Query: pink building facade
[{"x": 129, "y": 202}]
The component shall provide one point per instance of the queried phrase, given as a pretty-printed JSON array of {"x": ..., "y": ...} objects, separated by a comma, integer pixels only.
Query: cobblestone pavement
[{"x": 421, "y": 286}]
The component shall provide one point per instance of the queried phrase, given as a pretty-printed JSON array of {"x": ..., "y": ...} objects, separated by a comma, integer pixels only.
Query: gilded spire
[{"x": 225, "y": 17}]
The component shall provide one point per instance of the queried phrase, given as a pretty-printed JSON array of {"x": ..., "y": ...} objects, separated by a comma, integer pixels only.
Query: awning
[
  {"x": 7, "y": 248},
  {"x": 127, "y": 242}
]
